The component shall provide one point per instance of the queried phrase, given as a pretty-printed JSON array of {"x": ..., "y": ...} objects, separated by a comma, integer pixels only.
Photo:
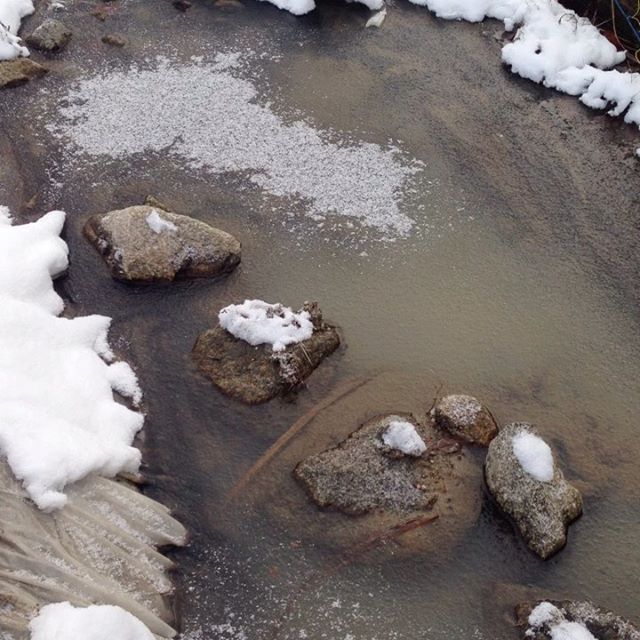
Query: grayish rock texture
[
  {"x": 184, "y": 246},
  {"x": 16, "y": 72},
  {"x": 466, "y": 418},
  {"x": 51, "y": 36},
  {"x": 542, "y": 511}
]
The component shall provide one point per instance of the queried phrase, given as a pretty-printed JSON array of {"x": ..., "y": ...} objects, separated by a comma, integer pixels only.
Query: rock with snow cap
[
  {"x": 528, "y": 485},
  {"x": 146, "y": 244},
  {"x": 466, "y": 418},
  {"x": 247, "y": 367},
  {"x": 553, "y": 620}
]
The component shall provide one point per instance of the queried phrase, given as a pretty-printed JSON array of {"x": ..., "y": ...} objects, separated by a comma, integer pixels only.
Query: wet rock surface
[
  {"x": 600, "y": 623},
  {"x": 256, "y": 374},
  {"x": 143, "y": 244},
  {"x": 51, "y": 36},
  {"x": 16, "y": 72},
  {"x": 465, "y": 418},
  {"x": 541, "y": 510}
]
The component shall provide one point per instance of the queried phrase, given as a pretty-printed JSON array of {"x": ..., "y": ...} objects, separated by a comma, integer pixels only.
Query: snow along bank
[
  {"x": 11, "y": 14},
  {"x": 300, "y": 7},
  {"x": 556, "y": 47},
  {"x": 58, "y": 418}
]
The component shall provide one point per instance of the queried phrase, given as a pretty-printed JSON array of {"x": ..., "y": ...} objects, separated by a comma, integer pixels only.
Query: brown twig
[{"x": 288, "y": 435}]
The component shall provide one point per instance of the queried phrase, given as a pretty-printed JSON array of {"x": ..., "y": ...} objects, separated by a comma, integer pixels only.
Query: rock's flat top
[
  {"x": 542, "y": 510},
  {"x": 256, "y": 374},
  {"x": 146, "y": 244},
  {"x": 16, "y": 72}
]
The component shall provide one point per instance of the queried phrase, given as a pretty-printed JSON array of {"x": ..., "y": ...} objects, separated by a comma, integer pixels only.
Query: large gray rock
[
  {"x": 179, "y": 246},
  {"x": 51, "y": 36},
  {"x": 547, "y": 620},
  {"x": 466, "y": 418},
  {"x": 541, "y": 509},
  {"x": 256, "y": 374},
  {"x": 16, "y": 72}
]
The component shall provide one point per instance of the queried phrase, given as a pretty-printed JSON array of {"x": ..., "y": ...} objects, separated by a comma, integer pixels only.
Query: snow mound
[
  {"x": 158, "y": 224},
  {"x": 534, "y": 455},
  {"x": 559, "y": 628},
  {"x": 59, "y": 421},
  {"x": 11, "y": 14},
  {"x": 556, "y": 47},
  {"x": 402, "y": 436},
  {"x": 258, "y": 322},
  {"x": 97, "y": 622}
]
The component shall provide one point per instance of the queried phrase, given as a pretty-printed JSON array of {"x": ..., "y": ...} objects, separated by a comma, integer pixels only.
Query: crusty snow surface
[
  {"x": 11, "y": 14},
  {"x": 534, "y": 455},
  {"x": 59, "y": 421}
]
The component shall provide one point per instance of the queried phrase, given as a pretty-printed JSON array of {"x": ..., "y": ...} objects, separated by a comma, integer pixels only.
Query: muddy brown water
[{"x": 519, "y": 286}]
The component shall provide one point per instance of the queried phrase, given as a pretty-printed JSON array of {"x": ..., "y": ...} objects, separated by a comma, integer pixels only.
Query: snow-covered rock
[
  {"x": 466, "y": 418},
  {"x": 58, "y": 419},
  {"x": 568, "y": 620},
  {"x": 541, "y": 503},
  {"x": 258, "y": 322},
  {"x": 142, "y": 244},
  {"x": 96, "y": 622},
  {"x": 402, "y": 436}
]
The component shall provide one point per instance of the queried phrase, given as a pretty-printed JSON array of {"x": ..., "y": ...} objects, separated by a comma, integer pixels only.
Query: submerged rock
[
  {"x": 256, "y": 374},
  {"x": 546, "y": 620},
  {"x": 530, "y": 487},
  {"x": 16, "y": 72},
  {"x": 144, "y": 244},
  {"x": 362, "y": 474},
  {"x": 465, "y": 418},
  {"x": 51, "y": 36}
]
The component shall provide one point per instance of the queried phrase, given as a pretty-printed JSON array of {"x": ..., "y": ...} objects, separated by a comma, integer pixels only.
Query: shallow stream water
[{"x": 516, "y": 282}]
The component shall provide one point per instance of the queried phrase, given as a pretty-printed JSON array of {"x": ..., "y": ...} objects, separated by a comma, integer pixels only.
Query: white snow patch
[
  {"x": 58, "y": 418},
  {"x": 402, "y": 436},
  {"x": 258, "y": 322},
  {"x": 223, "y": 128},
  {"x": 546, "y": 614},
  {"x": 158, "y": 224},
  {"x": 556, "y": 47},
  {"x": 96, "y": 622},
  {"x": 377, "y": 19},
  {"x": 571, "y": 631},
  {"x": 542, "y": 614},
  {"x": 534, "y": 455},
  {"x": 11, "y": 14},
  {"x": 300, "y": 7}
]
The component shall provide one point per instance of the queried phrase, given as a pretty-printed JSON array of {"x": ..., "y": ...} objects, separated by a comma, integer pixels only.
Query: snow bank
[
  {"x": 58, "y": 418},
  {"x": 556, "y": 47},
  {"x": 402, "y": 436},
  {"x": 159, "y": 224},
  {"x": 300, "y": 7},
  {"x": 97, "y": 622},
  {"x": 534, "y": 455},
  {"x": 258, "y": 322},
  {"x": 11, "y": 14}
]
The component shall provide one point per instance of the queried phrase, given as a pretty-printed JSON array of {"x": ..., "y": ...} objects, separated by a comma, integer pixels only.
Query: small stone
[
  {"x": 16, "y": 72},
  {"x": 465, "y": 418},
  {"x": 51, "y": 36},
  {"x": 182, "y": 5},
  {"x": 114, "y": 40},
  {"x": 542, "y": 510},
  {"x": 140, "y": 244}
]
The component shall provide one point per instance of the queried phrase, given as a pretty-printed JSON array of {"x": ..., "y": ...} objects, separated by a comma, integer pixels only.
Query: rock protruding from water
[
  {"x": 363, "y": 475},
  {"x": 541, "y": 508},
  {"x": 466, "y": 418},
  {"x": 144, "y": 244},
  {"x": 549, "y": 620},
  {"x": 13, "y": 73},
  {"x": 257, "y": 374},
  {"x": 51, "y": 36}
]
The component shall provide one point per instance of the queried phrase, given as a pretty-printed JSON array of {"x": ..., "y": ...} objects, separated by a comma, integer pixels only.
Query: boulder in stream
[
  {"x": 51, "y": 36},
  {"x": 466, "y": 418},
  {"x": 257, "y": 373},
  {"x": 526, "y": 482},
  {"x": 552, "y": 620},
  {"x": 144, "y": 244}
]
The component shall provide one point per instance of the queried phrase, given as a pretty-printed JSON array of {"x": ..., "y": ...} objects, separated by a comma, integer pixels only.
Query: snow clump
[
  {"x": 158, "y": 224},
  {"x": 258, "y": 322},
  {"x": 95, "y": 622},
  {"x": 559, "y": 628},
  {"x": 11, "y": 14},
  {"x": 402, "y": 436},
  {"x": 534, "y": 455}
]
